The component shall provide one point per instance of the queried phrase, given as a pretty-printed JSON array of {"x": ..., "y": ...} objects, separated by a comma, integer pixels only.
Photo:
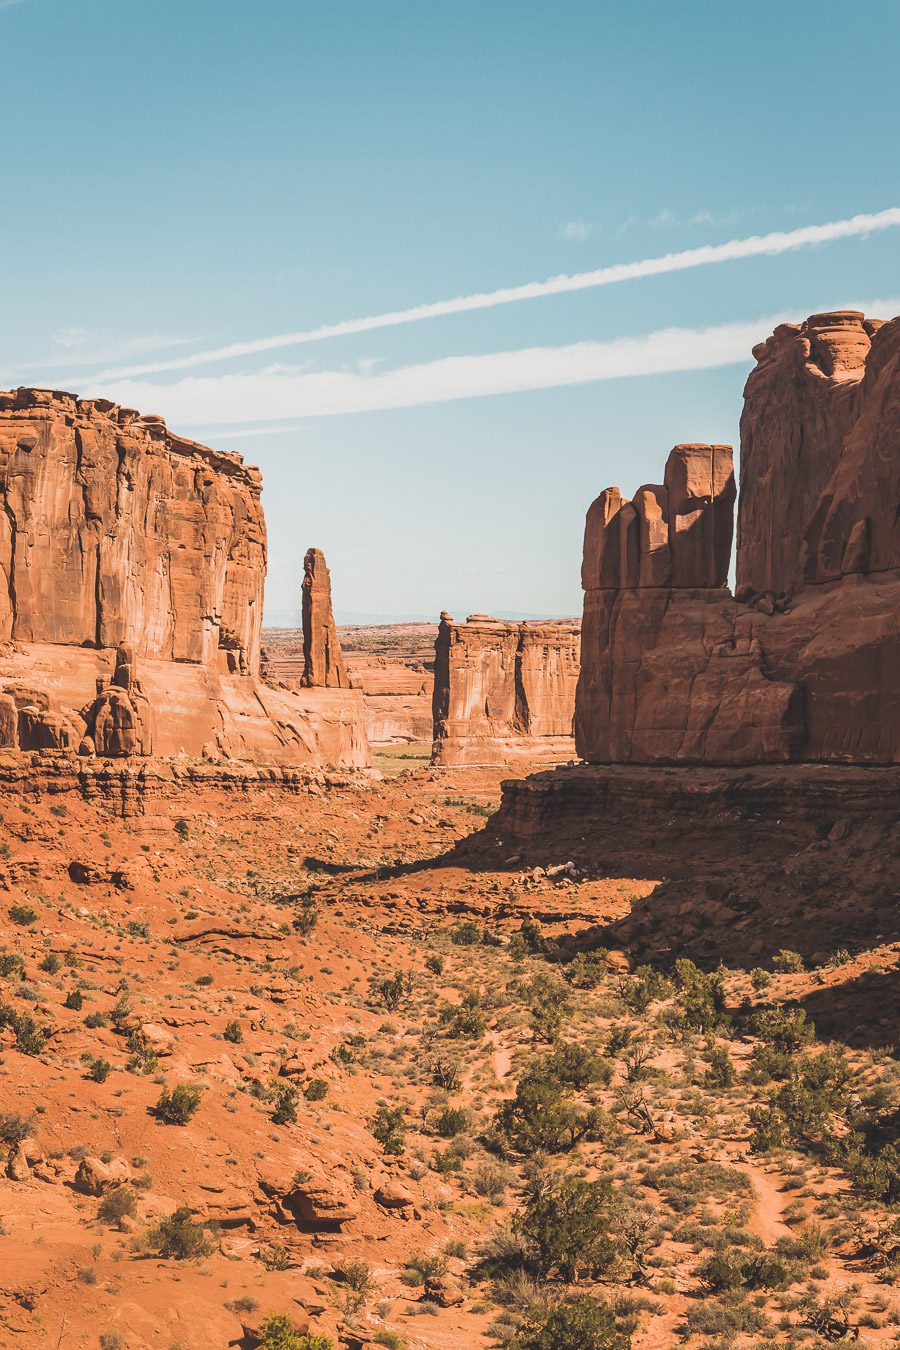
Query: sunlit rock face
[{"x": 801, "y": 665}]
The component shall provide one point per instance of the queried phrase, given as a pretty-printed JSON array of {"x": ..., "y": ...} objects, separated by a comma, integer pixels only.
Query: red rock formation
[
  {"x": 122, "y": 547},
  {"x": 502, "y": 689},
  {"x": 819, "y": 466},
  {"x": 804, "y": 665},
  {"x": 323, "y": 659}
]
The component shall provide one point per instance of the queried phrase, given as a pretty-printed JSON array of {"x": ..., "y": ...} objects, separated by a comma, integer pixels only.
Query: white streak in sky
[{"x": 758, "y": 245}]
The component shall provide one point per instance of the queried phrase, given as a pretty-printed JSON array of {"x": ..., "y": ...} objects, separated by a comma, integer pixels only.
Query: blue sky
[{"x": 184, "y": 175}]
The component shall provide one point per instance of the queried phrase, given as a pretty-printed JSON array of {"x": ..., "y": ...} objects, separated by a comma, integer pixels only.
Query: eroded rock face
[
  {"x": 819, "y": 463},
  {"x": 115, "y": 530},
  {"x": 322, "y": 656},
  {"x": 799, "y": 667},
  {"x": 132, "y": 565},
  {"x": 502, "y": 689}
]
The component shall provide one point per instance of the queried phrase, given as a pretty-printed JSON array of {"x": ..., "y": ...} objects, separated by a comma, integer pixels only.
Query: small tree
[
  {"x": 578, "y": 1324},
  {"x": 178, "y": 1237},
  {"x": 566, "y": 1225},
  {"x": 178, "y": 1106},
  {"x": 387, "y": 1127}
]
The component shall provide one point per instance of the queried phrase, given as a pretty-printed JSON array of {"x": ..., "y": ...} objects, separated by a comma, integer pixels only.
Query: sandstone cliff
[
  {"x": 502, "y": 689},
  {"x": 802, "y": 666},
  {"x": 132, "y": 565}
]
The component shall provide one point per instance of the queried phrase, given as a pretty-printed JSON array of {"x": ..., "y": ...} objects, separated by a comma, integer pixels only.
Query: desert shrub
[
  {"x": 582, "y": 1323},
  {"x": 548, "y": 997},
  {"x": 112, "y": 1340},
  {"x": 643, "y": 987},
  {"x": 419, "y": 1267},
  {"x": 700, "y": 997},
  {"x": 178, "y": 1237},
  {"x": 99, "y": 1069},
  {"x": 181, "y": 828},
  {"x": 96, "y": 1019},
  {"x": 316, "y": 1090},
  {"x": 566, "y": 1226},
  {"x": 30, "y": 1035},
  {"x": 760, "y": 979},
  {"x": 117, "y": 1204},
  {"x": 587, "y": 970},
  {"x": 527, "y": 940},
  {"x": 466, "y": 1019},
  {"x": 388, "y": 1128},
  {"x": 22, "y": 914},
  {"x": 465, "y": 934},
  {"x": 14, "y": 1127},
  {"x": 306, "y": 917},
  {"x": 720, "y": 1073},
  {"x": 786, "y": 1030},
  {"x": 392, "y": 990},
  {"x": 685, "y": 1184},
  {"x": 491, "y": 1180},
  {"x": 12, "y": 967},
  {"x": 74, "y": 1000},
  {"x": 50, "y": 964},
  {"x": 435, "y": 964},
  {"x": 445, "y": 1072},
  {"x": 284, "y": 1103},
  {"x": 178, "y": 1106},
  {"x": 573, "y": 1066},
  {"x": 787, "y": 960},
  {"x": 453, "y": 1120},
  {"x": 744, "y": 1270},
  {"x": 233, "y": 1031},
  {"x": 543, "y": 1116}
]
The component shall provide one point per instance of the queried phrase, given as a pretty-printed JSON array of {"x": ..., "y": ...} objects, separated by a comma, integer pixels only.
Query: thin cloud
[
  {"x": 782, "y": 241},
  {"x": 279, "y": 394},
  {"x": 575, "y": 230},
  {"x": 78, "y": 347}
]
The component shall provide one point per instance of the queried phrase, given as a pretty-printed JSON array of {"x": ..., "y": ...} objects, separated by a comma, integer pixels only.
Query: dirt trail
[{"x": 766, "y": 1220}]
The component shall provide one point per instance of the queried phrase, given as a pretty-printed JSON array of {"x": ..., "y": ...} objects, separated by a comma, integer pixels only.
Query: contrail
[{"x": 757, "y": 245}]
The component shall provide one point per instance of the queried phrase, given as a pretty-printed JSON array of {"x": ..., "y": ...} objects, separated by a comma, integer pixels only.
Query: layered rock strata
[
  {"x": 132, "y": 565},
  {"x": 503, "y": 689},
  {"x": 802, "y": 664}
]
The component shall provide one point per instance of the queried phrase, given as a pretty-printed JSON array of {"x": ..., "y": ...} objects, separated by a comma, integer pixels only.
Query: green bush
[
  {"x": 542, "y": 1116},
  {"x": 587, "y": 970},
  {"x": 701, "y": 997},
  {"x": 178, "y": 1106},
  {"x": 99, "y": 1069},
  {"x": 284, "y": 1101},
  {"x": 178, "y": 1237},
  {"x": 582, "y": 1323},
  {"x": 233, "y": 1032},
  {"x": 316, "y": 1090},
  {"x": 388, "y": 1128},
  {"x": 74, "y": 1000},
  {"x": 453, "y": 1120},
  {"x": 22, "y": 914},
  {"x": 466, "y": 934},
  {"x": 280, "y": 1333},
  {"x": 117, "y": 1204},
  {"x": 566, "y": 1226}
]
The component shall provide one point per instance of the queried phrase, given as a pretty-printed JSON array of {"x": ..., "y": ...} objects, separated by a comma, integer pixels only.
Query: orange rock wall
[
  {"x": 502, "y": 689},
  {"x": 802, "y": 666}
]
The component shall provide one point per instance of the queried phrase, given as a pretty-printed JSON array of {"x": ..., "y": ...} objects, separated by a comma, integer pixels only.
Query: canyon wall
[
  {"x": 503, "y": 689},
  {"x": 802, "y": 665},
  {"x": 132, "y": 565}
]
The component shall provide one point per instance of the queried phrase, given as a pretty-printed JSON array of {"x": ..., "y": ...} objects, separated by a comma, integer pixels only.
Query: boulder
[
  {"x": 392, "y": 1194},
  {"x": 95, "y": 1177}
]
